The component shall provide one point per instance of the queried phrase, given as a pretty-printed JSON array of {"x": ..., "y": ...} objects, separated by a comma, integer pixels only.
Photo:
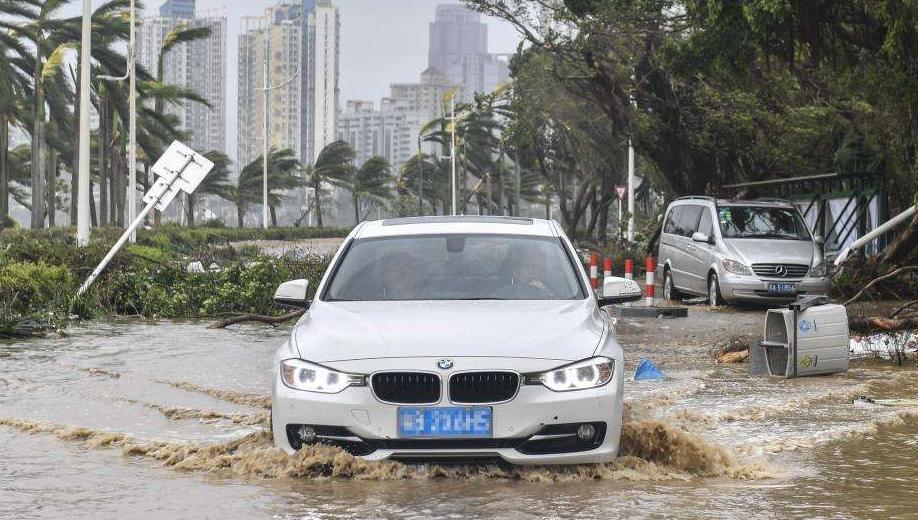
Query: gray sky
[{"x": 382, "y": 42}]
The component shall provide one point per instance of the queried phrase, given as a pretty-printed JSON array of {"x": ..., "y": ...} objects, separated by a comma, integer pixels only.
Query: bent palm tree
[
  {"x": 334, "y": 161},
  {"x": 369, "y": 184},
  {"x": 282, "y": 176}
]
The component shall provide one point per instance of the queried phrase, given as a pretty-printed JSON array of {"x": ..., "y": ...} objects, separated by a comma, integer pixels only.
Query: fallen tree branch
[
  {"x": 865, "y": 323},
  {"x": 245, "y": 318},
  {"x": 904, "y": 307},
  {"x": 875, "y": 281}
]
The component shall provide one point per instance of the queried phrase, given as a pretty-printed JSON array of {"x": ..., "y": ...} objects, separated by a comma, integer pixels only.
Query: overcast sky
[{"x": 382, "y": 42}]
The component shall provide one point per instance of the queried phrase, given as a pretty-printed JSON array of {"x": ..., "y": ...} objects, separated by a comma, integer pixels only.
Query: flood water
[{"x": 163, "y": 420}]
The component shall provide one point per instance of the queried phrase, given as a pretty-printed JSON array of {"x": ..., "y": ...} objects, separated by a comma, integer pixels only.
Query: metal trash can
[{"x": 808, "y": 338}]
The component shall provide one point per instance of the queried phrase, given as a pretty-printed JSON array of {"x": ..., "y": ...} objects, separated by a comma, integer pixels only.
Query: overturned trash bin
[{"x": 808, "y": 338}]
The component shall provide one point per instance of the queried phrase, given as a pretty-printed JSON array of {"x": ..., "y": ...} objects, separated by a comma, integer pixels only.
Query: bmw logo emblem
[{"x": 445, "y": 364}]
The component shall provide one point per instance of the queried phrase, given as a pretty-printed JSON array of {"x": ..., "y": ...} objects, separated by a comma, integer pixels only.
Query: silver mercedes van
[{"x": 739, "y": 250}]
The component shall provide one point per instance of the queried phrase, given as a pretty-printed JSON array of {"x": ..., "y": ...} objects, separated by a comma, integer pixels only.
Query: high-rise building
[
  {"x": 459, "y": 50},
  {"x": 177, "y": 9},
  {"x": 303, "y": 52},
  {"x": 199, "y": 65},
  {"x": 390, "y": 132},
  {"x": 274, "y": 37}
]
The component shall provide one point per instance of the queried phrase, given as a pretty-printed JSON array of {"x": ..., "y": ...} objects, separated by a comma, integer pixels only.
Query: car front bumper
[
  {"x": 735, "y": 288},
  {"x": 356, "y": 419}
]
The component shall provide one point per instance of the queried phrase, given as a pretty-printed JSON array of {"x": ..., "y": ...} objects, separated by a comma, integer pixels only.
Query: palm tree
[
  {"x": 282, "y": 176},
  {"x": 215, "y": 183},
  {"x": 436, "y": 175},
  {"x": 11, "y": 86},
  {"x": 334, "y": 161},
  {"x": 371, "y": 183}
]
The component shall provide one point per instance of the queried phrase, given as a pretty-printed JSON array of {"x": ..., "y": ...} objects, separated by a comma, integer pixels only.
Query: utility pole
[
  {"x": 266, "y": 129},
  {"x": 83, "y": 167}
]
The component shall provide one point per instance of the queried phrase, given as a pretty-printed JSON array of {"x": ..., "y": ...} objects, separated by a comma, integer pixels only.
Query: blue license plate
[
  {"x": 440, "y": 421},
  {"x": 782, "y": 288}
]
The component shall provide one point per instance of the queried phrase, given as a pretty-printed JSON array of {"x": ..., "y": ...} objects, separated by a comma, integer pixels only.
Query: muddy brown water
[{"x": 136, "y": 419}]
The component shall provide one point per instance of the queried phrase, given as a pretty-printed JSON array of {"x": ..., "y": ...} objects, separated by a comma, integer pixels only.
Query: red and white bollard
[
  {"x": 648, "y": 281},
  {"x": 607, "y": 268},
  {"x": 594, "y": 271},
  {"x": 629, "y": 269}
]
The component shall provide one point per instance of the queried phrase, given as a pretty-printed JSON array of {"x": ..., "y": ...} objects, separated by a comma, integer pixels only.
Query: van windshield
[
  {"x": 455, "y": 267},
  {"x": 761, "y": 222}
]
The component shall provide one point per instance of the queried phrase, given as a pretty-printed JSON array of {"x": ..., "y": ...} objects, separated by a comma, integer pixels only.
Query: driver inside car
[{"x": 527, "y": 278}]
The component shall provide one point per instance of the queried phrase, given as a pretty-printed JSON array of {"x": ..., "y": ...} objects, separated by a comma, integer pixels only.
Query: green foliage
[{"x": 40, "y": 272}]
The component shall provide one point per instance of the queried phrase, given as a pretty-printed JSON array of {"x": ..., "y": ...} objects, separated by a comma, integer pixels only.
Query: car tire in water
[
  {"x": 669, "y": 288},
  {"x": 714, "y": 297}
]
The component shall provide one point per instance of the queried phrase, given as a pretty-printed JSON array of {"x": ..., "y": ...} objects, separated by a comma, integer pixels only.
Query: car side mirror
[
  {"x": 293, "y": 294},
  {"x": 702, "y": 237},
  {"x": 619, "y": 290}
]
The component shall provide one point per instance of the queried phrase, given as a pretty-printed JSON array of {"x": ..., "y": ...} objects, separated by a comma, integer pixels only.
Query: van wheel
[
  {"x": 714, "y": 297},
  {"x": 669, "y": 289}
]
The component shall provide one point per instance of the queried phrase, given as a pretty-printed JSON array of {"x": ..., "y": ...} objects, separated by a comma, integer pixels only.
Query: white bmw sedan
[{"x": 471, "y": 338}]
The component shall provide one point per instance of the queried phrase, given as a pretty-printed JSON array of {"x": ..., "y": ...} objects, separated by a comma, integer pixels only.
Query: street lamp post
[
  {"x": 266, "y": 129},
  {"x": 83, "y": 166},
  {"x": 131, "y": 76}
]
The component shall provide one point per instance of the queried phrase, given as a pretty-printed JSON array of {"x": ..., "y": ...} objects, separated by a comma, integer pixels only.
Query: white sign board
[
  {"x": 621, "y": 192},
  {"x": 179, "y": 161}
]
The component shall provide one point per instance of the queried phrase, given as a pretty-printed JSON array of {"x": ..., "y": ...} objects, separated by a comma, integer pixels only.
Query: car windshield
[
  {"x": 761, "y": 222},
  {"x": 455, "y": 267}
]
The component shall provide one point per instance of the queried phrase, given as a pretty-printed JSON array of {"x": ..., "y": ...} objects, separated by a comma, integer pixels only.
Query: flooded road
[{"x": 163, "y": 420}]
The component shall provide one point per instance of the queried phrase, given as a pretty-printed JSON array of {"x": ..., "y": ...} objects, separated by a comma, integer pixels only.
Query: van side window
[
  {"x": 688, "y": 220},
  {"x": 706, "y": 224},
  {"x": 670, "y": 226}
]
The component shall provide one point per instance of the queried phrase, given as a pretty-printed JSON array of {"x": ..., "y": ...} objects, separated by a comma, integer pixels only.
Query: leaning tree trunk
[
  {"x": 52, "y": 187},
  {"x": 318, "y": 196},
  {"x": 4, "y": 169},
  {"x": 356, "y": 209},
  {"x": 240, "y": 214},
  {"x": 273, "y": 211},
  {"x": 93, "y": 217},
  {"x": 75, "y": 160},
  {"x": 189, "y": 208},
  {"x": 103, "y": 160}
]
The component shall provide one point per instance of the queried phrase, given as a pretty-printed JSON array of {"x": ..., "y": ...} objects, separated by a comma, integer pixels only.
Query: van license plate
[
  {"x": 446, "y": 421},
  {"x": 782, "y": 288}
]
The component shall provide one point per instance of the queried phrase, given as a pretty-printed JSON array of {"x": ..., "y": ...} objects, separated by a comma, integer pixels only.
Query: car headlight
[
  {"x": 819, "y": 270},
  {"x": 735, "y": 267},
  {"x": 309, "y": 377},
  {"x": 589, "y": 373}
]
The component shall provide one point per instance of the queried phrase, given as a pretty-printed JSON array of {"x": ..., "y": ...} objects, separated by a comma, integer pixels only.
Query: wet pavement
[{"x": 134, "y": 419}]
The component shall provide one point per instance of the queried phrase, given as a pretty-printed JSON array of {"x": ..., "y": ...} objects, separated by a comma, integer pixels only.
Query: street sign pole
[{"x": 179, "y": 169}]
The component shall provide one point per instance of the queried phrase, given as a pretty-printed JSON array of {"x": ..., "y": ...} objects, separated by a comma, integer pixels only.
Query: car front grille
[
  {"x": 483, "y": 387},
  {"x": 406, "y": 387},
  {"x": 781, "y": 270}
]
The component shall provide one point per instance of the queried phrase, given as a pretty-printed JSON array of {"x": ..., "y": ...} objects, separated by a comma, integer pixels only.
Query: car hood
[
  {"x": 762, "y": 251},
  {"x": 339, "y": 331}
]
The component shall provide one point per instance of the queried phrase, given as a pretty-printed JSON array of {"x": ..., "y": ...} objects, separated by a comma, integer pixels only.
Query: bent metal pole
[{"x": 133, "y": 227}]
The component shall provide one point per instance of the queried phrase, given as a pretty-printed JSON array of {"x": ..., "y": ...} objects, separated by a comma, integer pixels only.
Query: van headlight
[
  {"x": 589, "y": 373},
  {"x": 309, "y": 377},
  {"x": 732, "y": 266},
  {"x": 819, "y": 270}
]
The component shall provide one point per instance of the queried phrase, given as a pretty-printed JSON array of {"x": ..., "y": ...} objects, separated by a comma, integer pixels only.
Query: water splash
[
  {"x": 651, "y": 451},
  {"x": 230, "y": 396}
]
